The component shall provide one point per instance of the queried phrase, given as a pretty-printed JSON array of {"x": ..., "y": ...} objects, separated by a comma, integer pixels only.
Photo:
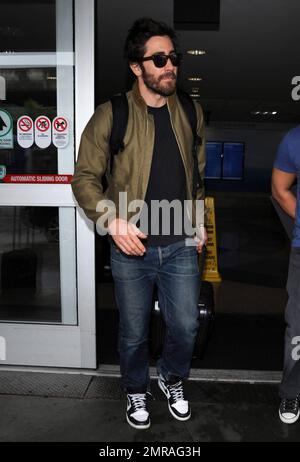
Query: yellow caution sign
[{"x": 210, "y": 272}]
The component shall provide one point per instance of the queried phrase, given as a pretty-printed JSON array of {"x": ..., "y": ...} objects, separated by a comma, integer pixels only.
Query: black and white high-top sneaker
[
  {"x": 137, "y": 414},
  {"x": 289, "y": 410},
  {"x": 178, "y": 405}
]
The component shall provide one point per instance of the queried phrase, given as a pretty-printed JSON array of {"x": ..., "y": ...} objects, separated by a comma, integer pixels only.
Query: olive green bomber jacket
[{"x": 131, "y": 167}]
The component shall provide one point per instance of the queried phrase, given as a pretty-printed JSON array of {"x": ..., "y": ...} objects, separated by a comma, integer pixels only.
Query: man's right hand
[{"x": 126, "y": 236}]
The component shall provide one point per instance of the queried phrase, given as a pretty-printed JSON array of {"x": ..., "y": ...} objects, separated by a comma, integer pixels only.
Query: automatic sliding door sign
[
  {"x": 42, "y": 129},
  {"x": 25, "y": 134},
  {"x": 60, "y": 132}
]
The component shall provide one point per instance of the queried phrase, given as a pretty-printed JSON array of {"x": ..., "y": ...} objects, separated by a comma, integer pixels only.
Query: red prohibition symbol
[
  {"x": 42, "y": 124},
  {"x": 60, "y": 124},
  {"x": 25, "y": 124}
]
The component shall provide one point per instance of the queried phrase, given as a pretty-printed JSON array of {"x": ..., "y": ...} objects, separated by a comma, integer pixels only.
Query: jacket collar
[{"x": 138, "y": 99}]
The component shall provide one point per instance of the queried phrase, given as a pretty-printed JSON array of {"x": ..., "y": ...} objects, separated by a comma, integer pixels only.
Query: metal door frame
[{"x": 50, "y": 345}]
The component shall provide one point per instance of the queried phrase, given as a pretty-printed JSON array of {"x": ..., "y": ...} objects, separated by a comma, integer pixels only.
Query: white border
[
  {"x": 32, "y": 60},
  {"x": 84, "y": 108},
  {"x": 40, "y": 195}
]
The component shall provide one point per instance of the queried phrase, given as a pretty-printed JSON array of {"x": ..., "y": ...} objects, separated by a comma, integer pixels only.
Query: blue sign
[
  {"x": 233, "y": 161},
  {"x": 213, "y": 168}
]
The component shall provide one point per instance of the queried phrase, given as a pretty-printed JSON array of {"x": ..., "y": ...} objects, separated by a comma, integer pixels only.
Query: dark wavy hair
[{"x": 140, "y": 32}]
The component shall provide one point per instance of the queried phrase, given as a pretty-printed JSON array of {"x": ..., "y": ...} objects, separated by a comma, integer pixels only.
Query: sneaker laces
[
  {"x": 290, "y": 405},
  {"x": 176, "y": 391},
  {"x": 138, "y": 401}
]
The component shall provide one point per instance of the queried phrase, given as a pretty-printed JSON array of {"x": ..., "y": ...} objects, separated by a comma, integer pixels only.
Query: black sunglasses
[{"x": 160, "y": 60}]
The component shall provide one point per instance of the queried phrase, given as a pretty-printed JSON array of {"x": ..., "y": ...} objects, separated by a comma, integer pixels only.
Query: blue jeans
[
  {"x": 174, "y": 269},
  {"x": 290, "y": 385}
]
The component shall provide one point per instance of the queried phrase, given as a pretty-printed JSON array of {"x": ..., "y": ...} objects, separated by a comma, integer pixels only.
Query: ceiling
[{"x": 248, "y": 66}]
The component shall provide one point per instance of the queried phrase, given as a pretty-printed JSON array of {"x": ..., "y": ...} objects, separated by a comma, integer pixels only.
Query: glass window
[
  {"x": 38, "y": 258},
  {"x": 224, "y": 160},
  {"x": 31, "y": 273},
  {"x": 233, "y": 161},
  {"x": 37, "y": 66},
  {"x": 213, "y": 168}
]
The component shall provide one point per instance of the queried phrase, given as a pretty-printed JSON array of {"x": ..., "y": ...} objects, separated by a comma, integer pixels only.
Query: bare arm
[{"x": 281, "y": 183}]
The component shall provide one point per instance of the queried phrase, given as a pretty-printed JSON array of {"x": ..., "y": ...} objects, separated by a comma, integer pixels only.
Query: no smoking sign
[
  {"x": 25, "y": 124},
  {"x": 25, "y": 132},
  {"x": 42, "y": 131}
]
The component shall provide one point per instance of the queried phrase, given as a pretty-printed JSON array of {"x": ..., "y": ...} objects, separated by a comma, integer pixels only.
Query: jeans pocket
[{"x": 114, "y": 250}]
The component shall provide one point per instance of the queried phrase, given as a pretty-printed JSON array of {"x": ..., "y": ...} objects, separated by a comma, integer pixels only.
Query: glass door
[{"x": 46, "y": 247}]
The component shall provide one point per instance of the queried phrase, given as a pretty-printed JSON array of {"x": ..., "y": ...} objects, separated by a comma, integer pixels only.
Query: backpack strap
[
  {"x": 120, "y": 118},
  {"x": 190, "y": 110}
]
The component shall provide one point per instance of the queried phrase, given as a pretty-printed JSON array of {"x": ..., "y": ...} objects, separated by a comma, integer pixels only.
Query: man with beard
[{"x": 155, "y": 165}]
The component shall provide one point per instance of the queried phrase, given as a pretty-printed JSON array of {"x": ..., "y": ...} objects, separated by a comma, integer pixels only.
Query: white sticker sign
[
  {"x": 2, "y": 88},
  {"x": 6, "y": 130},
  {"x": 25, "y": 132},
  {"x": 2, "y": 349},
  {"x": 60, "y": 132},
  {"x": 42, "y": 131}
]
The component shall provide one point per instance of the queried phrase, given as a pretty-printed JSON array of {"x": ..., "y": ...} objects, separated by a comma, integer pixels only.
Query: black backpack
[{"x": 120, "y": 118}]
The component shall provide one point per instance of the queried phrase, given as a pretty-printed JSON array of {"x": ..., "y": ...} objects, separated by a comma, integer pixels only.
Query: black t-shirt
[{"x": 167, "y": 179}]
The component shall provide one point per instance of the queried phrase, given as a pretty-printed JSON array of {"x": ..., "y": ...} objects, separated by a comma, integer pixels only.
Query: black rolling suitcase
[{"x": 206, "y": 316}]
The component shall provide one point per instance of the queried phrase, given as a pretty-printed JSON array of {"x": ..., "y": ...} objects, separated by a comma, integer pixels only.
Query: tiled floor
[{"x": 93, "y": 409}]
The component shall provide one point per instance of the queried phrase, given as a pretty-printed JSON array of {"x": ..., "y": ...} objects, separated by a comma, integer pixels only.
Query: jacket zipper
[{"x": 142, "y": 163}]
